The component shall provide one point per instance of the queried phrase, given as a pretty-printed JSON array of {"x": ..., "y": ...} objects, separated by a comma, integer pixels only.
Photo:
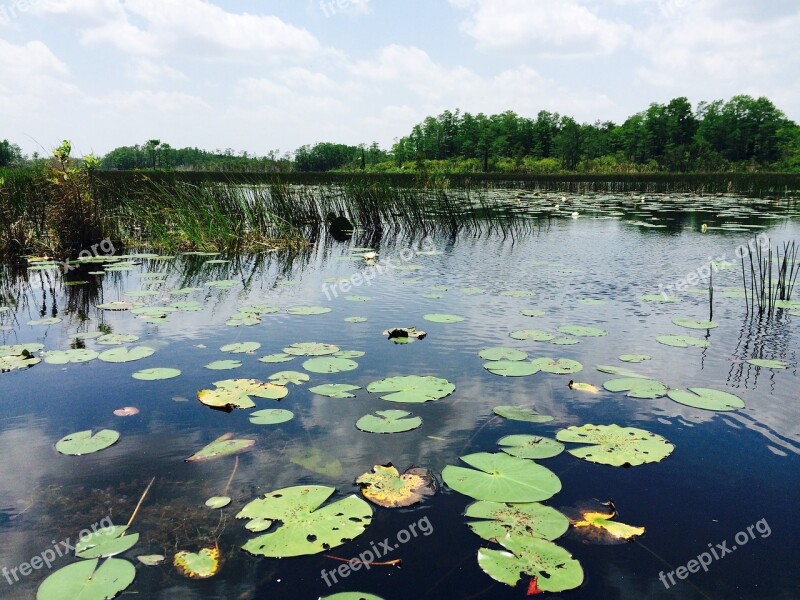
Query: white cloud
[{"x": 566, "y": 28}]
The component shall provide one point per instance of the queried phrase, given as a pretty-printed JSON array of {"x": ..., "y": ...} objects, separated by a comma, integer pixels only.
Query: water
[{"x": 728, "y": 471}]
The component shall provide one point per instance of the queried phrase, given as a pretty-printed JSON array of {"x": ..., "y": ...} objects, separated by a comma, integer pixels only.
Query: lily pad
[
  {"x": 762, "y": 362},
  {"x": 694, "y": 323},
  {"x": 707, "y": 399},
  {"x": 499, "y": 477},
  {"x": 355, "y": 320},
  {"x": 335, "y": 390},
  {"x": 562, "y": 366},
  {"x": 530, "y": 446},
  {"x": 284, "y": 377},
  {"x": 156, "y": 374},
  {"x": 616, "y": 446},
  {"x": 218, "y": 502},
  {"x": 46, "y": 321},
  {"x": 305, "y": 528},
  {"x": 682, "y": 341},
  {"x": 635, "y": 358},
  {"x": 521, "y": 413},
  {"x": 533, "y": 335},
  {"x": 120, "y": 306},
  {"x": 123, "y": 355},
  {"x": 412, "y": 388},
  {"x": 14, "y": 363},
  {"x": 84, "y": 442},
  {"x": 621, "y": 371},
  {"x": 64, "y": 357},
  {"x": 116, "y": 339},
  {"x": 276, "y": 358},
  {"x": 329, "y": 364},
  {"x": 307, "y": 311},
  {"x": 351, "y": 596},
  {"x": 151, "y": 560},
  {"x": 637, "y": 387},
  {"x": 316, "y": 461},
  {"x": 198, "y": 565},
  {"x": 583, "y": 331},
  {"x": 507, "y": 354},
  {"x": 224, "y": 445},
  {"x": 532, "y": 312},
  {"x": 311, "y": 349},
  {"x": 532, "y": 519},
  {"x": 443, "y": 318},
  {"x": 241, "y": 347},
  {"x": 85, "y": 581},
  {"x": 389, "y": 421},
  {"x": 512, "y": 368},
  {"x": 659, "y": 298},
  {"x": 551, "y": 566},
  {"x": 224, "y": 365},
  {"x": 594, "y": 523},
  {"x": 386, "y": 487},
  {"x": 106, "y": 542},
  {"x": 271, "y": 416}
]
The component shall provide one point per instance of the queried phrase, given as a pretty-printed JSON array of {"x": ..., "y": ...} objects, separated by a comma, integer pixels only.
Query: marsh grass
[{"x": 763, "y": 295}]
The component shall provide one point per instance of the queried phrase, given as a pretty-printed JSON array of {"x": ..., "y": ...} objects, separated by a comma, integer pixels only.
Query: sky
[{"x": 277, "y": 74}]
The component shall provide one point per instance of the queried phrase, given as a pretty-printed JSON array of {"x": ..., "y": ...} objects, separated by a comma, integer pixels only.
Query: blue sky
[{"x": 276, "y": 74}]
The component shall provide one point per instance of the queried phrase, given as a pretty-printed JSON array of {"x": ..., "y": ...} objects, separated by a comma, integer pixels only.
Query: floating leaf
[
  {"x": 512, "y": 368},
  {"x": 562, "y": 366},
  {"x": 386, "y": 487},
  {"x": 349, "y": 354},
  {"x": 443, "y": 318},
  {"x": 13, "y": 363},
  {"x": 616, "y": 446},
  {"x": 226, "y": 400},
  {"x": 217, "y": 502},
  {"x": 151, "y": 560},
  {"x": 593, "y": 522},
  {"x": 521, "y": 413},
  {"x": 502, "y": 478},
  {"x": 253, "y": 387},
  {"x": 128, "y": 411},
  {"x": 306, "y": 311},
  {"x": 316, "y": 461},
  {"x": 85, "y": 581},
  {"x": 530, "y": 446},
  {"x": 241, "y": 348},
  {"x": 682, "y": 341},
  {"x": 84, "y": 442},
  {"x": 552, "y": 566},
  {"x": 532, "y": 519},
  {"x": 156, "y": 374},
  {"x": 284, "y": 377},
  {"x": 106, "y": 542},
  {"x": 621, "y": 371},
  {"x": 533, "y": 335},
  {"x": 508, "y": 354},
  {"x": 19, "y": 349},
  {"x": 224, "y": 445},
  {"x": 64, "y": 357},
  {"x": 224, "y": 365},
  {"x": 389, "y": 421},
  {"x": 412, "y": 388},
  {"x": 118, "y": 305},
  {"x": 535, "y": 312},
  {"x": 271, "y": 416},
  {"x": 222, "y": 284},
  {"x": 123, "y": 355},
  {"x": 335, "y": 390},
  {"x": 707, "y": 399},
  {"x": 587, "y": 388},
  {"x": 47, "y": 321},
  {"x": 115, "y": 339},
  {"x": 565, "y": 341},
  {"x": 356, "y": 320},
  {"x": 258, "y": 525},
  {"x": 276, "y": 358},
  {"x": 305, "y": 528},
  {"x": 637, "y": 387},
  {"x": 635, "y": 358},
  {"x": 404, "y": 334},
  {"x": 329, "y": 364},
  {"x": 311, "y": 349},
  {"x": 694, "y": 324},
  {"x": 762, "y": 362},
  {"x": 582, "y": 331},
  {"x": 198, "y": 565},
  {"x": 517, "y": 294}
]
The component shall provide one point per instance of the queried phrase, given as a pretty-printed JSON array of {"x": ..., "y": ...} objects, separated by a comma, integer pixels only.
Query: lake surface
[{"x": 728, "y": 471}]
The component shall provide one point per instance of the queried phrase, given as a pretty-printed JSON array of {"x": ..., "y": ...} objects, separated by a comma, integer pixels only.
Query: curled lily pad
[
  {"x": 508, "y": 354},
  {"x": 562, "y": 366},
  {"x": 443, "y": 318},
  {"x": 637, "y": 387},
  {"x": 682, "y": 341},
  {"x": 499, "y": 477},
  {"x": 311, "y": 349},
  {"x": 106, "y": 542},
  {"x": 386, "y": 487},
  {"x": 123, "y": 355},
  {"x": 767, "y": 364},
  {"x": 635, "y": 358},
  {"x": 84, "y": 579},
  {"x": 616, "y": 446},
  {"x": 329, "y": 364},
  {"x": 335, "y": 390},
  {"x": 532, "y": 519},
  {"x": 389, "y": 421},
  {"x": 707, "y": 399},
  {"x": 594, "y": 523},
  {"x": 271, "y": 416},
  {"x": 586, "y": 388},
  {"x": 64, "y": 357},
  {"x": 530, "y": 446},
  {"x": 583, "y": 331},
  {"x": 156, "y": 374},
  {"x": 412, "y": 388},
  {"x": 512, "y": 368},
  {"x": 306, "y": 527},
  {"x": 85, "y": 442},
  {"x": 224, "y": 365},
  {"x": 306, "y": 311},
  {"x": 241, "y": 347},
  {"x": 533, "y": 335},
  {"x": 198, "y": 565},
  {"x": 694, "y": 323},
  {"x": 217, "y": 502},
  {"x": 224, "y": 445},
  {"x": 521, "y": 413}
]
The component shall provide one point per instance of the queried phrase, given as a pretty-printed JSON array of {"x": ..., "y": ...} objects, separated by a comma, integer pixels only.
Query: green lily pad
[
  {"x": 565, "y": 341},
  {"x": 17, "y": 349},
  {"x": 224, "y": 445},
  {"x": 84, "y": 442},
  {"x": 521, "y": 413},
  {"x": 276, "y": 358},
  {"x": 635, "y": 358},
  {"x": 243, "y": 320},
  {"x": 499, "y": 477},
  {"x": 682, "y": 341},
  {"x": 106, "y": 542},
  {"x": 582, "y": 331},
  {"x": 707, "y": 399},
  {"x": 616, "y": 446},
  {"x": 307, "y": 311},
  {"x": 356, "y": 320},
  {"x": 64, "y": 357},
  {"x": 443, "y": 318},
  {"x": 762, "y": 362},
  {"x": 15, "y": 363},
  {"x": 123, "y": 355},
  {"x": 222, "y": 284},
  {"x": 305, "y": 528},
  {"x": 116, "y": 339},
  {"x": 198, "y": 565},
  {"x": 512, "y": 368},
  {"x": 532, "y": 312},
  {"x": 412, "y": 388},
  {"x": 508, "y": 354},
  {"x": 335, "y": 390},
  {"x": 532, "y": 519},
  {"x": 151, "y": 560},
  {"x": 329, "y": 364},
  {"x": 85, "y": 581},
  {"x": 284, "y": 377},
  {"x": 241, "y": 348},
  {"x": 389, "y": 421},
  {"x": 621, "y": 371},
  {"x": 694, "y": 324},
  {"x": 552, "y": 566},
  {"x": 349, "y": 354},
  {"x": 562, "y": 366},
  {"x": 530, "y": 446},
  {"x": 637, "y": 387},
  {"x": 217, "y": 502},
  {"x": 316, "y": 461},
  {"x": 47, "y": 321},
  {"x": 533, "y": 335},
  {"x": 224, "y": 365},
  {"x": 311, "y": 349},
  {"x": 271, "y": 416},
  {"x": 156, "y": 374}
]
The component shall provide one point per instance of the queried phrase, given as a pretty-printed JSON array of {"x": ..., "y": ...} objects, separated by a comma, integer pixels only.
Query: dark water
[{"x": 728, "y": 471}]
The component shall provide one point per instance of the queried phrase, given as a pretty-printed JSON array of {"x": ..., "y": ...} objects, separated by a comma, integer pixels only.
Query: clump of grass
[{"x": 763, "y": 295}]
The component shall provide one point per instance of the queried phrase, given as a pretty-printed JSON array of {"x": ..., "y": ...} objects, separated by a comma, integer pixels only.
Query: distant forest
[{"x": 743, "y": 134}]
